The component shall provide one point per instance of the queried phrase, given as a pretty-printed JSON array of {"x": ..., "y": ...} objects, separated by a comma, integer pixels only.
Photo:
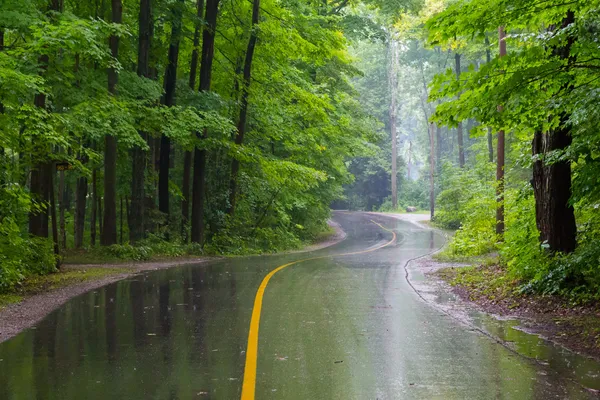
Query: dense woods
[
  {"x": 171, "y": 127},
  {"x": 184, "y": 127}
]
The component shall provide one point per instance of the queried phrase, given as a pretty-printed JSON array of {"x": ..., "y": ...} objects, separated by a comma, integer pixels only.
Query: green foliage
[{"x": 20, "y": 256}]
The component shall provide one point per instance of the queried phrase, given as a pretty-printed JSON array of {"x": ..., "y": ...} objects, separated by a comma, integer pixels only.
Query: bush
[{"x": 20, "y": 255}]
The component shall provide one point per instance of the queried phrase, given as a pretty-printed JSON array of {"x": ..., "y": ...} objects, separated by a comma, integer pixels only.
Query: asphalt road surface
[{"x": 338, "y": 323}]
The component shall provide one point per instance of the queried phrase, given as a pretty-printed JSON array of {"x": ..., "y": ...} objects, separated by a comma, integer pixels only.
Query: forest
[{"x": 142, "y": 128}]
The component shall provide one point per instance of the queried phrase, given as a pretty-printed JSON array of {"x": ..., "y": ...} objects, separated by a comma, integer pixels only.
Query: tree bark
[
  {"x": 490, "y": 140},
  {"x": 438, "y": 141},
  {"x": 51, "y": 173},
  {"x": 138, "y": 156},
  {"x": 392, "y": 114},
  {"x": 199, "y": 181},
  {"x": 500, "y": 156},
  {"x": 40, "y": 173},
  {"x": 431, "y": 172},
  {"x": 95, "y": 201},
  {"x": 80, "y": 204},
  {"x": 239, "y": 139},
  {"x": 169, "y": 101},
  {"x": 187, "y": 158},
  {"x": 61, "y": 205},
  {"x": 555, "y": 216},
  {"x": 109, "y": 231},
  {"x": 459, "y": 127}
]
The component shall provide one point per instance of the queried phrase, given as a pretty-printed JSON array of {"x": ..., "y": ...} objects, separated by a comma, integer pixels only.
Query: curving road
[{"x": 332, "y": 327}]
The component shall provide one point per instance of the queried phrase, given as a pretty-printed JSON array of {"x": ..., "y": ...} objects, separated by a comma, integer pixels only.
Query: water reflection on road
[{"x": 337, "y": 328}]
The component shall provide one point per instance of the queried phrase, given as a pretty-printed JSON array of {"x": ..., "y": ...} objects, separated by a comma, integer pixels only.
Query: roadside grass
[
  {"x": 92, "y": 256},
  {"x": 486, "y": 281},
  {"x": 65, "y": 277},
  {"x": 326, "y": 234},
  {"x": 8, "y": 299}
]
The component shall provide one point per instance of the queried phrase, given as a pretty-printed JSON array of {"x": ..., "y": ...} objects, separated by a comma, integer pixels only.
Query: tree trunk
[
  {"x": 95, "y": 201},
  {"x": 138, "y": 156},
  {"x": 392, "y": 113},
  {"x": 431, "y": 172},
  {"x": 459, "y": 128},
  {"x": 438, "y": 141},
  {"x": 490, "y": 141},
  {"x": 500, "y": 156},
  {"x": 121, "y": 220},
  {"x": 199, "y": 181},
  {"x": 239, "y": 139},
  {"x": 51, "y": 172},
  {"x": 80, "y": 204},
  {"x": 38, "y": 187},
  {"x": 169, "y": 101},
  {"x": 100, "y": 219},
  {"x": 61, "y": 205},
  {"x": 109, "y": 230},
  {"x": 187, "y": 158},
  {"x": 555, "y": 217}
]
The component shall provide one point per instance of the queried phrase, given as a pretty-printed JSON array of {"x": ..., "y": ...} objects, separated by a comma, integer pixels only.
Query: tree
[
  {"x": 187, "y": 162},
  {"x": 393, "y": 76},
  {"x": 199, "y": 180},
  {"x": 169, "y": 101},
  {"x": 459, "y": 127},
  {"x": 241, "y": 128},
  {"x": 555, "y": 216},
  {"x": 138, "y": 154},
  {"x": 109, "y": 231}
]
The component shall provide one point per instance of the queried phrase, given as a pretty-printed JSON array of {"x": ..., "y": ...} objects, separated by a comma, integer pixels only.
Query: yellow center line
[{"x": 249, "y": 384}]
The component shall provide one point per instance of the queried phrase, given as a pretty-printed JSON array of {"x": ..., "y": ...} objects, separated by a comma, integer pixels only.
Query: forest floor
[
  {"x": 489, "y": 288},
  {"x": 40, "y": 295}
]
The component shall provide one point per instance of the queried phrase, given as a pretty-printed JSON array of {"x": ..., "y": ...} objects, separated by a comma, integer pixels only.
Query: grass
[
  {"x": 326, "y": 234},
  {"x": 446, "y": 256},
  {"x": 68, "y": 276},
  {"x": 8, "y": 299},
  {"x": 487, "y": 281},
  {"x": 92, "y": 256}
]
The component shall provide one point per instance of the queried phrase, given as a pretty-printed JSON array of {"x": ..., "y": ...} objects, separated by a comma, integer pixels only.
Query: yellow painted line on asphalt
[{"x": 249, "y": 384}]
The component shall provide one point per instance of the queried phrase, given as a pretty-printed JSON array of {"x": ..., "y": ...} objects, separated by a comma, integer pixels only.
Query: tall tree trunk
[
  {"x": 555, "y": 217},
  {"x": 40, "y": 173},
  {"x": 459, "y": 127},
  {"x": 199, "y": 180},
  {"x": 121, "y": 218},
  {"x": 169, "y": 101},
  {"x": 80, "y": 204},
  {"x": 490, "y": 140},
  {"x": 52, "y": 196},
  {"x": 438, "y": 141},
  {"x": 95, "y": 201},
  {"x": 109, "y": 231},
  {"x": 100, "y": 219},
  {"x": 138, "y": 156},
  {"x": 393, "y": 71},
  {"x": 187, "y": 158},
  {"x": 431, "y": 172},
  {"x": 239, "y": 139},
  {"x": 61, "y": 205},
  {"x": 500, "y": 155}
]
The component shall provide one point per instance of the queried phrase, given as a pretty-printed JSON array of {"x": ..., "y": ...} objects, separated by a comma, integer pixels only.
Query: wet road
[{"x": 340, "y": 327}]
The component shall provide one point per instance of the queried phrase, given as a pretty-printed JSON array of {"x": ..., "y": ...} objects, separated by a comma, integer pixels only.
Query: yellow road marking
[{"x": 249, "y": 384}]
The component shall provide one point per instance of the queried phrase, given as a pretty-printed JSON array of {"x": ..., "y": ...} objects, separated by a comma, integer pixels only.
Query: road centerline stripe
[{"x": 249, "y": 383}]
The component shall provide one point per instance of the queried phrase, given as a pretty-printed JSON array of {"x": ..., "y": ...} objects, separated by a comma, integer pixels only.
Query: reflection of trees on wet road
[{"x": 338, "y": 328}]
